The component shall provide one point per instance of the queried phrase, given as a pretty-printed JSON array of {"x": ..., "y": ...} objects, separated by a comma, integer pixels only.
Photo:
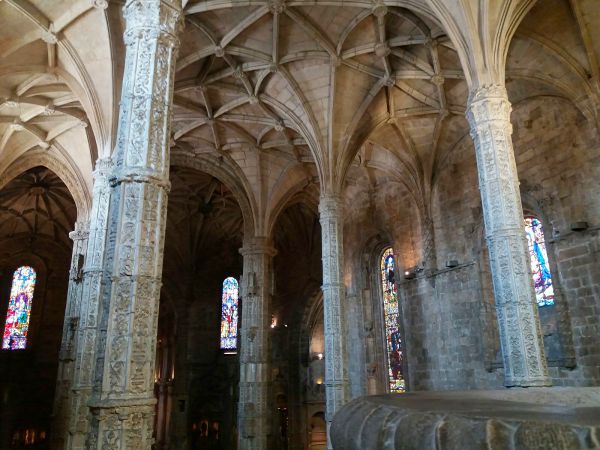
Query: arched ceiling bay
[
  {"x": 203, "y": 214},
  {"x": 289, "y": 82},
  {"x": 291, "y": 93},
  {"x": 56, "y": 83},
  {"x": 37, "y": 205},
  {"x": 551, "y": 54}
]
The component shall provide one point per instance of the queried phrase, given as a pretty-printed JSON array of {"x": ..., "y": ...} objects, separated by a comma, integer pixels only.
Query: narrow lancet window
[
  {"x": 19, "y": 309},
  {"x": 391, "y": 319},
  {"x": 542, "y": 279},
  {"x": 229, "y": 315}
]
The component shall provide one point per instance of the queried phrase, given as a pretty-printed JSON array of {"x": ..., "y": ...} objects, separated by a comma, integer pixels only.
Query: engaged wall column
[
  {"x": 336, "y": 364},
  {"x": 517, "y": 311},
  {"x": 94, "y": 284},
  {"x": 253, "y": 407},
  {"x": 123, "y": 400},
  {"x": 66, "y": 366}
]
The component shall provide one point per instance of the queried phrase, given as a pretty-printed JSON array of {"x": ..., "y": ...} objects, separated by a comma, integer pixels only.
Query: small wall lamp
[{"x": 409, "y": 274}]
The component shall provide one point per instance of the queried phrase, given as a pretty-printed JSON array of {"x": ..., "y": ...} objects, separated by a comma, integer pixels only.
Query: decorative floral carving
[
  {"x": 254, "y": 346},
  {"x": 520, "y": 332},
  {"x": 336, "y": 371}
]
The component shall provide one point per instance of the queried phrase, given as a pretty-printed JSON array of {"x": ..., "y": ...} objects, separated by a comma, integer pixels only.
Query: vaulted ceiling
[
  {"x": 56, "y": 86},
  {"x": 293, "y": 93},
  {"x": 36, "y": 206},
  {"x": 280, "y": 97}
]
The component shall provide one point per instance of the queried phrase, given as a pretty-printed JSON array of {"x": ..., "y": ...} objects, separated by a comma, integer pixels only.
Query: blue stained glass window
[
  {"x": 391, "y": 314},
  {"x": 542, "y": 279},
  {"x": 229, "y": 314},
  {"x": 19, "y": 309}
]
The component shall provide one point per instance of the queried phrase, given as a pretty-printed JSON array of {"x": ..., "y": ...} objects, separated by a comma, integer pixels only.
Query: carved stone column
[
  {"x": 92, "y": 289},
  {"x": 336, "y": 364},
  {"x": 253, "y": 407},
  {"x": 517, "y": 311},
  {"x": 64, "y": 379},
  {"x": 123, "y": 401}
]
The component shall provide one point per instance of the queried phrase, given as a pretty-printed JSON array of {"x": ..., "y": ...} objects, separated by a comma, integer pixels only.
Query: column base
[
  {"x": 528, "y": 382},
  {"x": 119, "y": 424}
]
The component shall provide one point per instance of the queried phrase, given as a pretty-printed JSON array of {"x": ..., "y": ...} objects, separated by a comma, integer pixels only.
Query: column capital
[
  {"x": 104, "y": 167},
  {"x": 488, "y": 103},
  {"x": 488, "y": 91},
  {"x": 153, "y": 19},
  {"x": 81, "y": 231},
  {"x": 330, "y": 205},
  {"x": 257, "y": 245}
]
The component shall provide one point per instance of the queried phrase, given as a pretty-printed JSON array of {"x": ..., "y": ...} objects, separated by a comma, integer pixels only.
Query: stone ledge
[{"x": 523, "y": 419}]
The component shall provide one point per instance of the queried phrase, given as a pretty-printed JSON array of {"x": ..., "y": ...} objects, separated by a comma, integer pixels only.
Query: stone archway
[{"x": 37, "y": 212}]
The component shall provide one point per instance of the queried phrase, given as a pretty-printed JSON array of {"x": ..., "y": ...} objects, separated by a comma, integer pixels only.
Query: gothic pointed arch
[{"x": 65, "y": 170}]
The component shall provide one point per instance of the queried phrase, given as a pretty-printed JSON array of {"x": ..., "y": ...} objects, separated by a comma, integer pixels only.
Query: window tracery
[
  {"x": 19, "y": 309},
  {"x": 391, "y": 315},
  {"x": 229, "y": 314}
]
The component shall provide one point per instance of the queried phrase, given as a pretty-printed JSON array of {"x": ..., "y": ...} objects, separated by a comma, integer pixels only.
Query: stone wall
[
  {"x": 579, "y": 274},
  {"x": 451, "y": 331},
  {"x": 557, "y": 159},
  {"x": 28, "y": 377},
  {"x": 444, "y": 331}
]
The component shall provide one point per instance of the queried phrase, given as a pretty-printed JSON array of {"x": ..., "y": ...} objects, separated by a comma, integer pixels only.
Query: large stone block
[{"x": 515, "y": 419}]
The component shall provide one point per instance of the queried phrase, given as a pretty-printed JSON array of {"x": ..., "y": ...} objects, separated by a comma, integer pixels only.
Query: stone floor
[{"x": 523, "y": 419}]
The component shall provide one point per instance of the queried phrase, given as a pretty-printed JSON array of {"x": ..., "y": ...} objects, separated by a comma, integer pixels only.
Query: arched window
[
  {"x": 542, "y": 279},
  {"x": 391, "y": 317},
  {"x": 19, "y": 309},
  {"x": 229, "y": 315}
]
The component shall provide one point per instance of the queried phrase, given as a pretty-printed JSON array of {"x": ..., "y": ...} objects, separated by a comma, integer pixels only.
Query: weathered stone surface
[
  {"x": 336, "y": 370},
  {"x": 255, "y": 378},
  {"x": 532, "y": 419},
  {"x": 284, "y": 102},
  {"x": 516, "y": 308}
]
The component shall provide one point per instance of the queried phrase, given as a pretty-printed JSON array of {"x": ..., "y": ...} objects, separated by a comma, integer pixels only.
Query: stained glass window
[
  {"x": 229, "y": 314},
  {"x": 542, "y": 280},
  {"x": 19, "y": 309},
  {"x": 391, "y": 317}
]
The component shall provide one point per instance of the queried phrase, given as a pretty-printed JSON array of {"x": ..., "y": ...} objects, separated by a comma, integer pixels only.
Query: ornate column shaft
[
  {"x": 253, "y": 407},
  {"x": 336, "y": 364},
  {"x": 64, "y": 379},
  {"x": 94, "y": 280},
  {"x": 123, "y": 400},
  {"x": 517, "y": 311}
]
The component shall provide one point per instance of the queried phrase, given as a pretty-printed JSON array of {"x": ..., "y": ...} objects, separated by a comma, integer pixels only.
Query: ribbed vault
[{"x": 35, "y": 205}]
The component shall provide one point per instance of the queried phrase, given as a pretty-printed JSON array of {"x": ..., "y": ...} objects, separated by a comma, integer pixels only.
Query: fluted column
[
  {"x": 123, "y": 400},
  {"x": 336, "y": 364},
  {"x": 253, "y": 407},
  {"x": 517, "y": 311},
  {"x": 64, "y": 379}
]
